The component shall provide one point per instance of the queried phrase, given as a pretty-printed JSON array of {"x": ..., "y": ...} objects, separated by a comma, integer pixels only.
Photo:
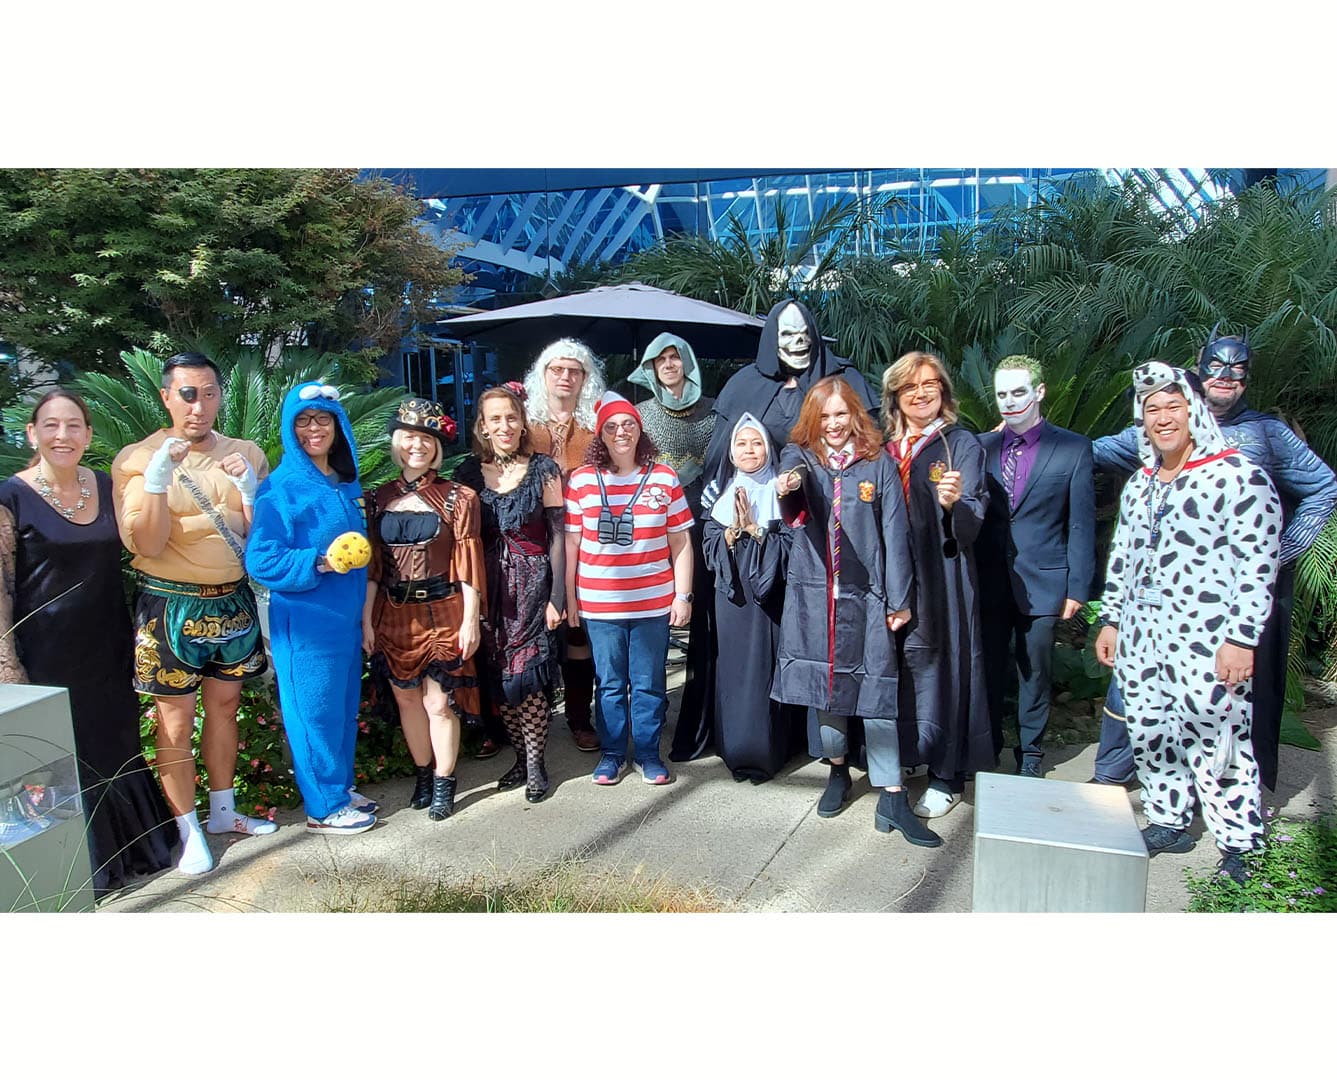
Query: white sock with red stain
[
  {"x": 196, "y": 857},
  {"x": 224, "y": 816}
]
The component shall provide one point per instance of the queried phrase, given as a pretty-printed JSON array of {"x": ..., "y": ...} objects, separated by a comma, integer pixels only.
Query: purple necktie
[{"x": 1010, "y": 460}]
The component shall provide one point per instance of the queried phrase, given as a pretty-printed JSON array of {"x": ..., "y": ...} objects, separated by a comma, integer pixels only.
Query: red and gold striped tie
[
  {"x": 838, "y": 463},
  {"x": 908, "y": 459}
]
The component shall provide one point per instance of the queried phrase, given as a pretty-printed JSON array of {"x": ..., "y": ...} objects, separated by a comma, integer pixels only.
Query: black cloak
[
  {"x": 944, "y": 714},
  {"x": 856, "y": 673}
]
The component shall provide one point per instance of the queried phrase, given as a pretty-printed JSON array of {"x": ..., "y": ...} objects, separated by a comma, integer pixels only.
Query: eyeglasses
[
  {"x": 320, "y": 420},
  {"x": 1215, "y": 369},
  {"x": 929, "y": 387},
  {"x": 563, "y": 372},
  {"x": 613, "y": 427}
]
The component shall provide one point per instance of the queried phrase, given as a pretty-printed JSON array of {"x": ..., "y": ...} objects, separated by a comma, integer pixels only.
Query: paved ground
[{"x": 750, "y": 847}]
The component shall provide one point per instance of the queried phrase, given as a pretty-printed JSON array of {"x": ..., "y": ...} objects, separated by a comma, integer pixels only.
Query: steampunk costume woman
[{"x": 426, "y": 587}]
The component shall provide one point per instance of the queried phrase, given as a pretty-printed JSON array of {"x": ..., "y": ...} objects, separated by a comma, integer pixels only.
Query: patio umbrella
[{"x": 615, "y": 319}]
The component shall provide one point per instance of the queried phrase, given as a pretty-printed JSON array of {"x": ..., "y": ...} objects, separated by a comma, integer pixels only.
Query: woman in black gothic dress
[
  {"x": 520, "y": 493},
  {"x": 64, "y": 602}
]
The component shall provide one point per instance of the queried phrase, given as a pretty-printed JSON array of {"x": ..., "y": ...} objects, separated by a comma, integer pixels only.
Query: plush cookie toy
[{"x": 348, "y": 551}]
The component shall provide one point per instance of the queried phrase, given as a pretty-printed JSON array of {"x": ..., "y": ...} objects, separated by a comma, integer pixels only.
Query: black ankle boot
[
  {"x": 837, "y": 791},
  {"x": 537, "y": 787},
  {"x": 514, "y": 776},
  {"x": 422, "y": 787},
  {"x": 893, "y": 812},
  {"x": 443, "y": 798}
]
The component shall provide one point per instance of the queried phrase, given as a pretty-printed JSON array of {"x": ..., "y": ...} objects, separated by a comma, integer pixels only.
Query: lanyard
[
  {"x": 1156, "y": 514},
  {"x": 619, "y": 530}
]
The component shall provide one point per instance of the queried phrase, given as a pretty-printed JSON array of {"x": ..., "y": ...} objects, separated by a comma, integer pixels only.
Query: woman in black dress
[
  {"x": 746, "y": 548},
  {"x": 64, "y": 600},
  {"x": 524, "y": 549}
]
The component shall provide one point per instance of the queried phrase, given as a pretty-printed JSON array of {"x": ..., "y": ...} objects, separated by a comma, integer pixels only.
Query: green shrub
[{"x": 1295, "y": 871}]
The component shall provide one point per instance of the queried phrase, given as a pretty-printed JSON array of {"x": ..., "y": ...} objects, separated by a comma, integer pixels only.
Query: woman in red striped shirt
[{"x": 629, "y": 577}]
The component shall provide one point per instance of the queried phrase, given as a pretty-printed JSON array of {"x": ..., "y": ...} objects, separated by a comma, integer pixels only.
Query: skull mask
[{"x": 795, "y": 342}]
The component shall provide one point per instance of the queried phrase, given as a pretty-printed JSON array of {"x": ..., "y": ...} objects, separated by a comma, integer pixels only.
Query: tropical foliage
[
  {"x": 126, "y": 407},
  {"x": 97, "y": 261},
  {"x": 1091, "y": 281}
]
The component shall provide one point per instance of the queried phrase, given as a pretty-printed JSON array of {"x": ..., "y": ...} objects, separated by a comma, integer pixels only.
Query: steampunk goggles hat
[{"x": 419, "y": 414}]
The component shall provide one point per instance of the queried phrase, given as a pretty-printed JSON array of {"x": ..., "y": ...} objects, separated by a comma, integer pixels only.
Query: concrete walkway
[{"x": 749, "y": 847}]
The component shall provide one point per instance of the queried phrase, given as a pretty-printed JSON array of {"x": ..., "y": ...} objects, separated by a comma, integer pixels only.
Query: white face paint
[
  {"x": 1018, "y": 400},
  {"x": 795, "y": 343}
]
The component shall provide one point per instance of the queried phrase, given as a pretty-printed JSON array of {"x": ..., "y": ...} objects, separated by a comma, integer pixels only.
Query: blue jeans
[
  {"x": 630, "y": 656},
  {"x": 1114, "y": 756}
]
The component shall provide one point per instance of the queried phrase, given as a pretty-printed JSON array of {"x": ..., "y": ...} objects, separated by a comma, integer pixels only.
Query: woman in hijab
[{"x": 747, "y": 549}]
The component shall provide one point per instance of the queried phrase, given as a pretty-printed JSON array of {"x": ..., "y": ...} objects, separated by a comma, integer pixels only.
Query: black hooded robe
[{"x": 760, "y": 389}]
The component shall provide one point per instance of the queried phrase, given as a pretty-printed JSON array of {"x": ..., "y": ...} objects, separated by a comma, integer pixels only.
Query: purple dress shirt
[{"x": 1029, "y": 444}]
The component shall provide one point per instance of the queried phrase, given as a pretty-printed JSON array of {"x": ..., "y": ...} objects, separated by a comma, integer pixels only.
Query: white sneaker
[
  {"x": 935, "y": 803},
  {"x": 358, "y": 801},
  {"x": 239, "y": 823},
  {"x": 345, "y": 822}
]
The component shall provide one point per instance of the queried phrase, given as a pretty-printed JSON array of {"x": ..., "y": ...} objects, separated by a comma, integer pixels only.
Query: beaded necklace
[{"x": 44, "y": 489}]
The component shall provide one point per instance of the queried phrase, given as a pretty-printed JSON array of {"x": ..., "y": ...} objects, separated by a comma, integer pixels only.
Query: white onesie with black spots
[{"x": 1208, "y": 581}]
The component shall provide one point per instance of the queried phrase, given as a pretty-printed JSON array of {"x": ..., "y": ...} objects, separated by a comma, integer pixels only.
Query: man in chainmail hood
[{"x": 679, "y": 418}]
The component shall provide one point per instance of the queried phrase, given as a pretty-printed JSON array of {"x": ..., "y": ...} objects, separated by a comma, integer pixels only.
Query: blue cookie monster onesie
[{"x": 315, "y": 618}]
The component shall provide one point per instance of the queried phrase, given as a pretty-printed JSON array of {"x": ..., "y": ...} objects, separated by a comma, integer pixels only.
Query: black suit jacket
[{"x": 1044, "y": 547}]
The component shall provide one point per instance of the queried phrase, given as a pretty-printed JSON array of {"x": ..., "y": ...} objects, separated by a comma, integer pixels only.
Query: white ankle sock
[
  {"x": 195, "y": 855},
  {"x": 224, "y": 817}
]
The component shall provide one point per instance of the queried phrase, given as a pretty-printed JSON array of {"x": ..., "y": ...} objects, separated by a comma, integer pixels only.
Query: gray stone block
[{"x": 1050, "y": 845}]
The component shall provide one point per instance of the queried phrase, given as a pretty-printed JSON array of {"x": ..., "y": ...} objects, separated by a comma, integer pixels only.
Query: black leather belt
[{"x": 419, "y": 592}]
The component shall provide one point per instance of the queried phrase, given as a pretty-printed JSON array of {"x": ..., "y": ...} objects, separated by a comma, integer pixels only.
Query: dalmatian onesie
[{"x": 1175, "y": 594}]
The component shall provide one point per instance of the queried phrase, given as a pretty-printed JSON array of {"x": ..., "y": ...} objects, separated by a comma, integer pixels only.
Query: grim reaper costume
[
  {"x": 760, "y": 387},
  {"x": 1192, "y": 566}
]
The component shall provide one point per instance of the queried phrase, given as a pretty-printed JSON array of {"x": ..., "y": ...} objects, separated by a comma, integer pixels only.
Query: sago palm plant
[{"x": 126, "y": 407}]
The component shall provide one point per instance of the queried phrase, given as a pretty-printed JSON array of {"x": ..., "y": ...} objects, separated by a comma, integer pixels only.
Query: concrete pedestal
[{"x": 1049, "y": 845}]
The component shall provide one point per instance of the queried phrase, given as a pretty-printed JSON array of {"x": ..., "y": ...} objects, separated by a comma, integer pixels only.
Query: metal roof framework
[{"x": 553, "y": 220}]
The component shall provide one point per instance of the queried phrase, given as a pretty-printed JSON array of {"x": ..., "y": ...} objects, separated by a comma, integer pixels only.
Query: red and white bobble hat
[{"x": 611, "y": 405}]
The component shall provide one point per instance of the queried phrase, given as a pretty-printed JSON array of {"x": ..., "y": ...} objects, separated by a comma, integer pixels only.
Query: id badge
[{"x": 1148, "y": 596}]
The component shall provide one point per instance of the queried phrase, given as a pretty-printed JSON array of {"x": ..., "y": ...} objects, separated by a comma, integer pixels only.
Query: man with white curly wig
[{"x": 562, "y": 390}]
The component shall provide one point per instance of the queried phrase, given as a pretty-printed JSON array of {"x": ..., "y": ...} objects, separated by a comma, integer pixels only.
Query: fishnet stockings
[{"x": 527, "y": 727}]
